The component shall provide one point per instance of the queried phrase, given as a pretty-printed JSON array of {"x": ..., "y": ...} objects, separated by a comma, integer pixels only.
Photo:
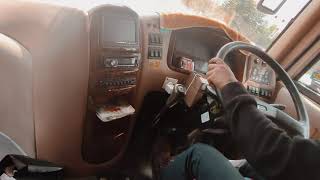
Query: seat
[
  {"x": 27, "y": 168},
  {"x": 8, "y": 146},
  {"x": 16, "y": 105},
  {"x": 16, "y": 114}
]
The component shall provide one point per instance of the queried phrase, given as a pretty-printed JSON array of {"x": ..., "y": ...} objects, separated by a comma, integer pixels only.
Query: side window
[{"x": 311, "y": 79}]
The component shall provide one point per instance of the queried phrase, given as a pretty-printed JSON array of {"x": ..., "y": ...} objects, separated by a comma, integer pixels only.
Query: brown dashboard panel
[
  {"x": 198, "y": 44},
  {"x": 114, "y": 67}
]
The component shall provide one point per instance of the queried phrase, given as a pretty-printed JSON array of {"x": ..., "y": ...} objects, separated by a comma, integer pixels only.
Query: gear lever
[{"x": 176, "y": 95}]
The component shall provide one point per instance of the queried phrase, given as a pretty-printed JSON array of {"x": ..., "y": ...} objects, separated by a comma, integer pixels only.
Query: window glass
[{"x": 311, "y": 78}]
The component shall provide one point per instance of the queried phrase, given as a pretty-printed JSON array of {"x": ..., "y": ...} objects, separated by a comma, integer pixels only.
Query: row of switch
[
  {"x": 259, "y": 91},
  {"x": 154, "y": 53},
  {"x": 153, "y": 25},
  {"x": 121, "y": 82},
  {"x": 155, "y": 38}
]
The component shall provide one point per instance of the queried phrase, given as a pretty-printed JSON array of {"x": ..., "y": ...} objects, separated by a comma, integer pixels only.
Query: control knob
[{"x": 111, "y": 62}]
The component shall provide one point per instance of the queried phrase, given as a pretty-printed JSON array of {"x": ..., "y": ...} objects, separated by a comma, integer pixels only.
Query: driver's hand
[{"x": 219, "y": 73}]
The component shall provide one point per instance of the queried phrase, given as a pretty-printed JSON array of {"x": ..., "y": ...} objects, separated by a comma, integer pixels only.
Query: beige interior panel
[
  {"x": 313, "y": 109},
  {"x": 295, "y": 33},
  {"x": 300, "y": 48},
  {"x": 306, "y": 59},
  {"x": 57, "y": 38},
  {"x": 16, "y": 114}
]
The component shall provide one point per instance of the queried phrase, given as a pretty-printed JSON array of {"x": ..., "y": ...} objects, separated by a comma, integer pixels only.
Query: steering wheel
[{"x": 291, "y": 125}]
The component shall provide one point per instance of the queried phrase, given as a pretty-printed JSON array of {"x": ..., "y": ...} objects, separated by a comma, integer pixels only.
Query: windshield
[{"x": 241, "y": 15}]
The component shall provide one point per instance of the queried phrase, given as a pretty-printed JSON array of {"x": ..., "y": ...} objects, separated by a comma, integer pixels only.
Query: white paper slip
[
  {"x": 205, "y": 117},
  {"x": 114, "y": 112}
]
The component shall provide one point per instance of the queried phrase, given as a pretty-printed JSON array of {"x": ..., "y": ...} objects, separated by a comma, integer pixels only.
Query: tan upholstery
[
  {"x": 312, "y": 108},
  {"x": 57, "y": 38},
  {"x": 290, "y": 44},
  {"x": 16, "y": 115}
]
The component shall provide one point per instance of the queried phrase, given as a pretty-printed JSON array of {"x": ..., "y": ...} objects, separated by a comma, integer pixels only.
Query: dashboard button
[
  {"x": 113, "y": 63},
  {"x": 256, "y": 90},
  {"x": 252, "y": 90}
]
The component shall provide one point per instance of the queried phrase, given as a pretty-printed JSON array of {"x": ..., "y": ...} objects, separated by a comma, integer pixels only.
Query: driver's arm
[{"x": 265, "y": 146}]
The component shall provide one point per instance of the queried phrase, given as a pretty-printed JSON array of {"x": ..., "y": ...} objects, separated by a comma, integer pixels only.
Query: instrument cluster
[
  {"x": 261, "y": 73},
  {"x": 260, "y": 78}
]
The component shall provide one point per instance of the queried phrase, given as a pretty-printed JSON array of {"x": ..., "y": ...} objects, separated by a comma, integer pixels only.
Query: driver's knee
[
  {"x": 206, "y": 160},
  {"x": 202, "y": 149},
  {"x": 200, "y": 152},
  {"x": 205, "y": 153}
]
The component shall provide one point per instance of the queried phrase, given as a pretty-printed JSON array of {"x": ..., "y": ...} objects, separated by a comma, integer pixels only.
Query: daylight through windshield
[{"x": 241, "y": 15}]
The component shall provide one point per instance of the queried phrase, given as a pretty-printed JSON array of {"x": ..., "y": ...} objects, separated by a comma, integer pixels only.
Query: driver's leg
[{"x": 200, "y": 162}]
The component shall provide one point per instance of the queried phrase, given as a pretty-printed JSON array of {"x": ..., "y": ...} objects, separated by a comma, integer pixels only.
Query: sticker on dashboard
[
  {"x": 315, "y": 76},
  {"x": 154, "y": 63}
]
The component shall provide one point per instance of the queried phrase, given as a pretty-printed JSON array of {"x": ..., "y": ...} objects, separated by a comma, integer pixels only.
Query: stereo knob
[
  {"x": 101, "y": 83},
  {"x": 111, "y": 62}
]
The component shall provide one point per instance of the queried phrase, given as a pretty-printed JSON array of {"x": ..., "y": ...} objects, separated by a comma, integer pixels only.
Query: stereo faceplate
[{"x": 119, "y": 62}]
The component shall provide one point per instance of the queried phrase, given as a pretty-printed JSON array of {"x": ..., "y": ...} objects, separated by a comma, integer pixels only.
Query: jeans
[{"x": 200, "y": 162}]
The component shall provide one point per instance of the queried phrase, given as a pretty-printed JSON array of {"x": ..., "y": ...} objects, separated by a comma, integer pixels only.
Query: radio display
[{"x": 118, "y": 30}]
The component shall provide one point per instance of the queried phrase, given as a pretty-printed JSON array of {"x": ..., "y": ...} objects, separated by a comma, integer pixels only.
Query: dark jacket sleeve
[{"x": 266, "y": 147}]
